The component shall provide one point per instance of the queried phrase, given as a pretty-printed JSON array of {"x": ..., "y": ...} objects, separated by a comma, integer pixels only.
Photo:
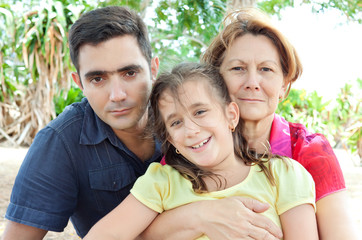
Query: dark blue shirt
[{"x": 76, "y": 168}]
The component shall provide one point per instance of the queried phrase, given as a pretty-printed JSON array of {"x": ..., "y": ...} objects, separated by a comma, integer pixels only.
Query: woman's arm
[
  {"x": 334, "y": 218},
  {"x": 299, "y": 223},
  {"x": 228, "y": 218},
  {"x": 126, "y": 221}
]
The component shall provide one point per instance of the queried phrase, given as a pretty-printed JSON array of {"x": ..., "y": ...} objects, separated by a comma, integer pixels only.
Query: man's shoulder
[{"x": 72, "y": 114}]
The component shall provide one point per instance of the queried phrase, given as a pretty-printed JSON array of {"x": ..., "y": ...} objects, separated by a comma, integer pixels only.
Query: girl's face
[
  {"x": 253, "y": 74},
  {"x": 198, "y": 126}
]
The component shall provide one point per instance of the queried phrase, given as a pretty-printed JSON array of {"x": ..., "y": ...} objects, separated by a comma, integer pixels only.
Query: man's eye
[
  {"x": 131, "y": 73},
  {"x": 97, "y": 79}
]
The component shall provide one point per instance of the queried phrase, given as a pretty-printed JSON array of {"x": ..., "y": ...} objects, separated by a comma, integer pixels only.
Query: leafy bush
[
  {"x": 340, "y": 120},
  {"x": 64, "y": 99}
]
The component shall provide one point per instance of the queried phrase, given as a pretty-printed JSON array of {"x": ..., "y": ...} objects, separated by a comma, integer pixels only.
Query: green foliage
[
  {"x": 351, "y": 9},
  {"x": 339, "y": 120},
  {"x": 66, "y": 98},
  {"x": 182, "y": 29}
]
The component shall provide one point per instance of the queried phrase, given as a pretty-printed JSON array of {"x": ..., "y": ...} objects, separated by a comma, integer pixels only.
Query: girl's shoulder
[
  {"x": 286, "y": 166},
  {"x": 160, "y": 172}
]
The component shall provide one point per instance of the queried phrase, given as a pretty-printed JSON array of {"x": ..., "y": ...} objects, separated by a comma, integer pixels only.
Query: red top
[{"x": 312, "y": 150}]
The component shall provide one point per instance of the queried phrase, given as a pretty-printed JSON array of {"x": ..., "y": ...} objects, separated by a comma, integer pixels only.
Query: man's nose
[{"x": 117, "y": 90}]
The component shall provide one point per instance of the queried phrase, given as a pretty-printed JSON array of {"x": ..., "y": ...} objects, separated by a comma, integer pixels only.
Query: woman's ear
[
  {"x": 283, "y": 91},
  {"x": 232, "y": 114}
]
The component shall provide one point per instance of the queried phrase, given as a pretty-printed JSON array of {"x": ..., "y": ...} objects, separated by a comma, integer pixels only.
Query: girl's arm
[
  {"x": 126, "y": 221},
  {"x": 299, "y": 223}
]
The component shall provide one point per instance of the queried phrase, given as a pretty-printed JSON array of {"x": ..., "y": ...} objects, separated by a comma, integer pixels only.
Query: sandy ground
[{"x": 10, "y": 160}]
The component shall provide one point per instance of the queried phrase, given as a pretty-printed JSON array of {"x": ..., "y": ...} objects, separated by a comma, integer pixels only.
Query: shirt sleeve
[
  {"x": 45, "y": 191},
  {"x": 295, "y": 185},
  {"x": 315, "y": 153},
  {"x": 152, "y": 187}
]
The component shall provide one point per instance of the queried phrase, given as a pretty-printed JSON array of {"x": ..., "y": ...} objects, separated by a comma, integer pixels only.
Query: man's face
[{"x": 116, "y": 79}]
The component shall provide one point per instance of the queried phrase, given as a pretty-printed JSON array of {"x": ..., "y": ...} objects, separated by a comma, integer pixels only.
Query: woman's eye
[
  {"x": 131, "y": 73},
  {"x": 266, "y": 69},
  {"x": 237, "y": 68}
]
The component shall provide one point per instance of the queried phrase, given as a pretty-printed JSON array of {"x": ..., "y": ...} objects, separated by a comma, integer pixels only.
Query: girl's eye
[
  {"x": 200, "y": 112},
  {"x": 175, "y": 123}
]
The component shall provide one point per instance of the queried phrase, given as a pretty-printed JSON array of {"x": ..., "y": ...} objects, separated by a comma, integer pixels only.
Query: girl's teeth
[{"x": 200, "y": 145}]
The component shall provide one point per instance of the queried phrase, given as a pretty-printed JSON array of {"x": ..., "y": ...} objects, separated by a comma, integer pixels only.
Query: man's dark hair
[{"x": 102, "y": 24}]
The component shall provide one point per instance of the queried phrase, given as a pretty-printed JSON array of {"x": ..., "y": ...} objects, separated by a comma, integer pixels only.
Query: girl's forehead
[{"x": 192, "y": 89}]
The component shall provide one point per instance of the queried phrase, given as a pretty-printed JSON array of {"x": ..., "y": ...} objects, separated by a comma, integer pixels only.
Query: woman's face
[{"x": 253, "y": 74}]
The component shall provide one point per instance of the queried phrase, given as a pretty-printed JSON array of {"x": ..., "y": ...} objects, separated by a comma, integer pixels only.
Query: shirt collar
[
  {"x": 279, "y": 140},
  {"x": 94, "y": 131}
]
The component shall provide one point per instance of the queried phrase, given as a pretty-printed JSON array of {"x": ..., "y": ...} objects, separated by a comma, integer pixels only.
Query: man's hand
[{"x": 237, "y": 218}]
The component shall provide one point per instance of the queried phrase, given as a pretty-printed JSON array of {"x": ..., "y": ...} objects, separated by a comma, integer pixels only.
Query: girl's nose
[{"x": 191, "y": 127}]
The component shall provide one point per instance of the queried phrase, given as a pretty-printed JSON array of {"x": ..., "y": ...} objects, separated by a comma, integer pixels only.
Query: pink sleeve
[
  {"x": 315, "y": 153},
  {"x": 163, "y": 161}
]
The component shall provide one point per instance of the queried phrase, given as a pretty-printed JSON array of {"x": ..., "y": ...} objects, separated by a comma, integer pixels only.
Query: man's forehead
[{"x": 111, "y": 55}]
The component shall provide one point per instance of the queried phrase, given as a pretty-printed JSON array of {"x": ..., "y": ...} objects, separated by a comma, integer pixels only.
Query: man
[{"x": 83, "y": 163}]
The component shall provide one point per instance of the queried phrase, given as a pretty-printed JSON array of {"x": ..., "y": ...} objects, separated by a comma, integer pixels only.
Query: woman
[{"x": 259, "y": 65}]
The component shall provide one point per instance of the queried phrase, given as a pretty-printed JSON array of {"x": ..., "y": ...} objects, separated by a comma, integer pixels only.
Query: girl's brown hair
[
  {"x": 171, "y": 81},
  {"x": 252, "y": 21}
]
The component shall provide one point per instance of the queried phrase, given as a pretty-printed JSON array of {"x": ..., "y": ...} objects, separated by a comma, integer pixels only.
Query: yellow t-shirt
[{"x": 163, "y": 187}]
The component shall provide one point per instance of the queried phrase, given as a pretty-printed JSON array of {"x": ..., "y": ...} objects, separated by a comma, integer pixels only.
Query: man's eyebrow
[
  {"x": 129, "y": 67},
  {"x": 102, "y": 73}
]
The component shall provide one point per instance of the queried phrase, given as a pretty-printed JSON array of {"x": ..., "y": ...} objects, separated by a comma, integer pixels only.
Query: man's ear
[
  {"x": 233, "y": 114},
  {"x": 155, "y": 64},
  {"x": 77, "y": 80}
]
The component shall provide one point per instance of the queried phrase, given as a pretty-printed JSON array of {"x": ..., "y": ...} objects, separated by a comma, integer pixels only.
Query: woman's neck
[{"x": 257, "y": 133}]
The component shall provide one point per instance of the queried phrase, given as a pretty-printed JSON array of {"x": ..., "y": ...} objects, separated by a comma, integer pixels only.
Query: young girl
[{"x": 207, "y": 159}]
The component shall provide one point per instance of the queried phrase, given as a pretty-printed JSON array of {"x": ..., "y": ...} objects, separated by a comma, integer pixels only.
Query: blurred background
[{"x": 35, "y": 67}]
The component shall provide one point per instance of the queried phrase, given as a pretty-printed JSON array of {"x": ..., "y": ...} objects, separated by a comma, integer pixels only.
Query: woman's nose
[{"x": 252, "y": 81}]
